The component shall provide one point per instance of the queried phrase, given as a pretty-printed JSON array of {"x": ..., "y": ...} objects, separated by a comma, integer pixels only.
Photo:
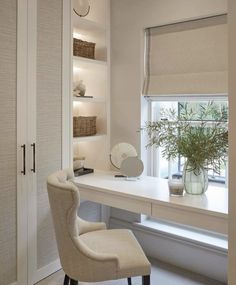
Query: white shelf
[
  {"x": 89, "y": 100},
  {"x": 81, "y": 61},
  {"x": 95, "y": 75},
  {"x": 89, "y": 138}
]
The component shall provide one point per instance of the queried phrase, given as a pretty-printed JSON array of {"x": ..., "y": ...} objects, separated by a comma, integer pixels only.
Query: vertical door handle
[
  {"x": 23, "y": 147},
  {"x": 33, "y": 169}
]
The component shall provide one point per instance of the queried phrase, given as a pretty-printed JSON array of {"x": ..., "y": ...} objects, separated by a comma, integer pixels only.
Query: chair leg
[
  {"x": 146, "y": 280},
  {"x": 66, "y": 280},
  {"x": 73, "y": 282},
  {"x": 129, "y": 281}
]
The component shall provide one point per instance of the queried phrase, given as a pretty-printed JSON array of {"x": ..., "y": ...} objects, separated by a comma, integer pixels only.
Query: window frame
[{"x": 152, "y": 152}]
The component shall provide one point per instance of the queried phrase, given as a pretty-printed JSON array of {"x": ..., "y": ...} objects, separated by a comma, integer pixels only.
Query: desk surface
[{"x": 150, "y": 195}]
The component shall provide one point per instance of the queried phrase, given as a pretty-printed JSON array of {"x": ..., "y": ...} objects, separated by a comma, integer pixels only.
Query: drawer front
[
  {"x": 191, "y": 218},
  {"x": 117, "y": 201}
]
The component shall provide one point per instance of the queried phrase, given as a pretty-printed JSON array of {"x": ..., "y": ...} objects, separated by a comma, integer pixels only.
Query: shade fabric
[{"x": 187, "y": 58}]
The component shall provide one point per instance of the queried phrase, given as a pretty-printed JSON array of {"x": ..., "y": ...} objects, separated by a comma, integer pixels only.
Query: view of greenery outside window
[{"x": 164, "y": 168}]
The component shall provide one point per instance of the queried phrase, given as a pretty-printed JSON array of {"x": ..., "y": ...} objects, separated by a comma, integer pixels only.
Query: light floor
[{"x": 162, "y": 274}]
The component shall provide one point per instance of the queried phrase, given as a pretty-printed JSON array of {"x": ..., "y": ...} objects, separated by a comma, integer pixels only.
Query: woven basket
[
  {"x": 83, "y": 48},
  {"x": 84, "y": 126}
]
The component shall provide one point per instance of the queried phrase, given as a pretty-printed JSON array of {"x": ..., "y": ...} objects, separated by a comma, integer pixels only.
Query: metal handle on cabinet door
[
  {"x": 33, "y": 169},
  {"x": 23, "y": 147}
]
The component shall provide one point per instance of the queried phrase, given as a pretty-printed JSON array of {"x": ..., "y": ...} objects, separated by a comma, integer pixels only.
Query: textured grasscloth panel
[
  {"x": 49, "y": 119},
  {"x": 7, "y": 142}
]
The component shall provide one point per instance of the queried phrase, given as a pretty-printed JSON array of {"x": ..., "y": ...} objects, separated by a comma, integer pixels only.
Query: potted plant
[{"x": 200, "y": 136}]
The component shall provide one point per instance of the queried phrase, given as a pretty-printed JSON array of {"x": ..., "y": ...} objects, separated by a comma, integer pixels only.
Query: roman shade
[{"x": 187, "y": 57}]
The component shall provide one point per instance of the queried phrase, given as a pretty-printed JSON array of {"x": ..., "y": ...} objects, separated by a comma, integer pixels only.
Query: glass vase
[{"x": 195, "y": 183}]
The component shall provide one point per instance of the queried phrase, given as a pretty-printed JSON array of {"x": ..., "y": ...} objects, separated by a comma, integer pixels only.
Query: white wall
[
  {"x": 232, "y": 141},
  {"x": 128, "y": 20}
]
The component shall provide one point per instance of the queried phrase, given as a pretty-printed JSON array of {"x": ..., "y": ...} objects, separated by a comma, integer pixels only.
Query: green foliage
[{"x": 200, "y": 136}]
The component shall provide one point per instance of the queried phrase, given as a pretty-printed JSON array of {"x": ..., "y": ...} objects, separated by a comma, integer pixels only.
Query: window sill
[{"x": 203, "y": 238}]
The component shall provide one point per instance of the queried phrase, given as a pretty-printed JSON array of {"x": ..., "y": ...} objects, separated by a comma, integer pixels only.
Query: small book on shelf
[{"x": 84, "y": 96}]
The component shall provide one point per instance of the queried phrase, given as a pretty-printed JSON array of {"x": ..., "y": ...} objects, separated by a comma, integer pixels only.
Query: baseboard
[
  {"x": 192, "y": 256},
  {"x": 47, "y": 270}
]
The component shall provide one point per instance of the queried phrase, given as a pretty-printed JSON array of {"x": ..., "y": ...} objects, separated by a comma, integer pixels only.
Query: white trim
[
  {"x": 21, "y": 139},
  {"x": 89, "y": 138},
  {"x": 47, "y": 270},
  {"x": 89, "y": 100},
  {"x": 210, "y": 240},
  {"x": 150, "y": 149},
  {"x": 67, "y": 156},
  {"x": 187, "y": 97},
  {"x": 31, "y": 126},
  {"x": 108, "y": 85}
]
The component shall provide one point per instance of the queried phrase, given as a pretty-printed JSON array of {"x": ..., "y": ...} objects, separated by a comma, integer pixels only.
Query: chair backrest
[
  {"x": 64, "y": 201},
  {"x": 78, "y": 261}
]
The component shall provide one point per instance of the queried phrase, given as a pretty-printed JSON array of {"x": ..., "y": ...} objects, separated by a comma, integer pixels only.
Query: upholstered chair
[{"x": 88, "y": 251}]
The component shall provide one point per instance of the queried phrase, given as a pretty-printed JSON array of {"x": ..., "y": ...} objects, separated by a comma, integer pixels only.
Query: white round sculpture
[
  {"x": 120, "y": 152},
  {"x": 131, "y": 167}
]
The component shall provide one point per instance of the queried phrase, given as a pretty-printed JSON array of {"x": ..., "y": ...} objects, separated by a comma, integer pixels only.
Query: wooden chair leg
[
  {"x": 66, "y": 280},
  {"x": 146, "y": 280},
  {"x": 129, "y": 281},
  {"x": 73, "y": 282}
]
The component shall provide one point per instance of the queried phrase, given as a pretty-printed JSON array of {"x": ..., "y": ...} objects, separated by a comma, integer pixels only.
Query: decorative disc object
[
  {"x": 81, "y": 7},
  {"x": 120, "y": 152},
  {"x": 132, "y": 167}
]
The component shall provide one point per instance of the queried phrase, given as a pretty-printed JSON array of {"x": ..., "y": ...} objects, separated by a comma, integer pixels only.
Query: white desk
[{"x": 150, "y": 196}]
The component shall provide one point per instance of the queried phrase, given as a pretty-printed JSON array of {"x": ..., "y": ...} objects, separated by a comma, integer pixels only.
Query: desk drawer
[
  {"x": 117, "y": 201},
  {"x": 191, "y": 217}
]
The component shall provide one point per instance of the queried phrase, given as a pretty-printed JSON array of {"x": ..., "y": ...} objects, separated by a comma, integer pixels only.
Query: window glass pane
[{"x": 165, "y": 168}]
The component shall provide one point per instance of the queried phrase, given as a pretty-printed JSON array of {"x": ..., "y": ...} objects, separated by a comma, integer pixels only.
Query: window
[
  {"x": 158, "y": 165},
  {"x": 184, "y": 63}
]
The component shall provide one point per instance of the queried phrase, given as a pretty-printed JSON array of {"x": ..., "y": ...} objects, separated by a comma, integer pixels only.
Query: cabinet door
[
  {"x": 13, "y": 215},
  {"x": 45, "y": 124}
]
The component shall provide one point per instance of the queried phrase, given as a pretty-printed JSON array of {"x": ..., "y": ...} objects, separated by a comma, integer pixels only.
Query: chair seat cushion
[{"x": 122, "y": 243}]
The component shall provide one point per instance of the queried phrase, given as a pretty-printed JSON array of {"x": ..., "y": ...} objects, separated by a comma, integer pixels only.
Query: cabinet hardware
[
  {"x": 33, "y": 169},
  {"x": 23, "y": 147}
]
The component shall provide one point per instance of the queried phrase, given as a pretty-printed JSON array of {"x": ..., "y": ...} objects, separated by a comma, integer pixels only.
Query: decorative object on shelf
[
  {"x": 83, "y": 171},
  {"x": 83, "y": 48},
  {"x": 176, "y": 187},
  {"x": 79, "y": 89},
  {"x": 120, "y": 152},
  {"x": 81, "y": 7},
  {"x": 201, "y": 137},
  {"x": 84, "y": 126},
  {"x": 78, "y": 162},
  {"x": 132, "y": 167}
]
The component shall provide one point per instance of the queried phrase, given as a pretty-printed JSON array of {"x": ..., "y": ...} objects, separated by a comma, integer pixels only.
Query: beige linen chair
[{"x": 88, "y": 251}]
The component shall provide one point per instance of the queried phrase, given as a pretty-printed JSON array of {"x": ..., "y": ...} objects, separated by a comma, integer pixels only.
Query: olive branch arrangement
[{"x": 199, "y": 136}]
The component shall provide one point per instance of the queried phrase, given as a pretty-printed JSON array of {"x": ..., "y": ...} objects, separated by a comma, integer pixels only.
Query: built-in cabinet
[
  {"x": 37, "y": 66},
  {"x": 95, "y": 76},
  {"x": 34, "y": 133}
]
